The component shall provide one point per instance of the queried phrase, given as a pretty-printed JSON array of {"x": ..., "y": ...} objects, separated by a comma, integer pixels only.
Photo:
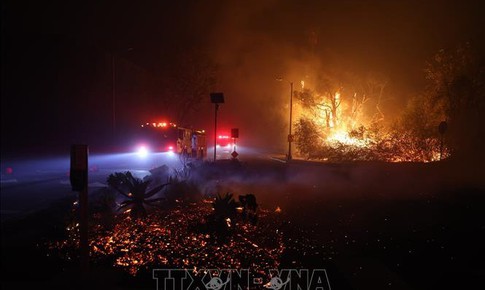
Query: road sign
[
  {"x": 217, "y": 98},
  {"x": 234, "y": 154}
]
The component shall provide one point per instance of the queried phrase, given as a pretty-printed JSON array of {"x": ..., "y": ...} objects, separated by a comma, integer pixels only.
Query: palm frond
[{"x": 155, "y": 190}]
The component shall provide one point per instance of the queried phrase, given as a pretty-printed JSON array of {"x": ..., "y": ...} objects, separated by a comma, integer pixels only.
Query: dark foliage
[
  {"x": 136, "y": 192},
  {"x": 250, "y": 207}
]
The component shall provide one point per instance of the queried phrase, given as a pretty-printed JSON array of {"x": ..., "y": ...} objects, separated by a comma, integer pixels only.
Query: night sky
[{"x": 56, "y": 58}]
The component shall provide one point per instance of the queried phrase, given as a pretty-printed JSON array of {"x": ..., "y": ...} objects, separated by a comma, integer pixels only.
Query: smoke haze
[{"x": 58, "y": 55}]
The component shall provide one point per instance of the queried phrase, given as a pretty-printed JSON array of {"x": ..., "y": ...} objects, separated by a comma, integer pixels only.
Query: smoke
[
  {"x": 249, "y": 61},
  {"x": 253, "y": 43},
  {"x": 256, "y": 42}
]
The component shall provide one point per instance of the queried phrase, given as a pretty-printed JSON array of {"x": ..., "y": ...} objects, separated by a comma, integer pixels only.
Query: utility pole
[
  {"x": 290, "y": 137},
  {"x": 216, "y": 98},
  {"x": 215, "y": 132}
]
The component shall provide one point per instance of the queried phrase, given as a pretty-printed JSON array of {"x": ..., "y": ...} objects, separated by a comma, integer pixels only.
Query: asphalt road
[
  {"x": 31, "y": 183},
  {"x": 28, "y": 185}
]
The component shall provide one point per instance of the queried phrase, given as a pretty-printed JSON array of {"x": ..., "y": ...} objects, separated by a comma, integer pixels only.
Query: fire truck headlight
[{"x": 142, "y": 151}]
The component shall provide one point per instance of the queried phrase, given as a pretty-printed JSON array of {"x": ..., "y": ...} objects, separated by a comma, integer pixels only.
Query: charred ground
[{"x": 370, "y": 225}]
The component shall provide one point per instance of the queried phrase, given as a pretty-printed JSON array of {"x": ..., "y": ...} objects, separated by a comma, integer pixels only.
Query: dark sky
[{"x": 56, "y": 69}]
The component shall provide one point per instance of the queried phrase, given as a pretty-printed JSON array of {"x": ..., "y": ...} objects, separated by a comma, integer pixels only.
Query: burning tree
[
  {"x": 333, "y": 125},
  {"x": 342, "y": 120},
  {"x": 307, "y": 137}
]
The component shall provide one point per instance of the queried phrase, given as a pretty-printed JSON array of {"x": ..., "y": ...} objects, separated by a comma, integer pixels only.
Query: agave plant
[
  {"x": 225, "y": 206},
  {"x": 219, "y": 221},
  {"x": 136, "y": 191}
]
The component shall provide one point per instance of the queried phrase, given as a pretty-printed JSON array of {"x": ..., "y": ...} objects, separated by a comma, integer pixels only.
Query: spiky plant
[
  {"x": 136, "y": 192},
  {"x": 219, "y": 221},
  {"x": 225, "y": 206}
]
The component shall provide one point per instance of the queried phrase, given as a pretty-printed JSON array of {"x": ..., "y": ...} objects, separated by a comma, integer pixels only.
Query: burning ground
[
  {"x": 397, "y": 226},
  {"x": 178, "y": 238}
]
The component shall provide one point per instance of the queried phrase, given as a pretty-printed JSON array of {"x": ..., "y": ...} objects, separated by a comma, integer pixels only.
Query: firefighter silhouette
[
  {"x": 276, "y": 283},
  {"x": 215, "y": 284}
]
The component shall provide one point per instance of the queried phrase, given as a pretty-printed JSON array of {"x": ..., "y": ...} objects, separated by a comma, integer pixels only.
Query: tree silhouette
[
  {"x": 456, "y": 86},
  {"x": 191, "y": 78}
]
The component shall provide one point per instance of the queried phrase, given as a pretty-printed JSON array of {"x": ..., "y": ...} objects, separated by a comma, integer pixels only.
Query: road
[{"x": 28, "y": 185}]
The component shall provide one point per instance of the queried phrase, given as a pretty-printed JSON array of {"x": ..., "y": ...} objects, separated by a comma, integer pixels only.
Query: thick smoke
[
  {"x": 256, "y": 42},
  {"x": 66, "y": 60}
]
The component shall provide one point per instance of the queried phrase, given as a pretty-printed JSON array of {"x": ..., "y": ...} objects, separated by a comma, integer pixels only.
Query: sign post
[
  {"x": 234, "y": 136},
  {"x": 216, "y": 99},
  {"x": 79, "y": 182}
]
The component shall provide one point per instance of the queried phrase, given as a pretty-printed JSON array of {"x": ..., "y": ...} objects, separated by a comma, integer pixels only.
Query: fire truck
[
  {"x": 225, "y": 143},
  {"x": 168, "y": 137}
]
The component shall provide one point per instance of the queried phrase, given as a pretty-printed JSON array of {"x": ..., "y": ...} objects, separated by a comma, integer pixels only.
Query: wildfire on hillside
[{"x": 338, "y": 124}]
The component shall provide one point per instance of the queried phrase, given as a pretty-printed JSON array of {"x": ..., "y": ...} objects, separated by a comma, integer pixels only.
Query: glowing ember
[{"x": 177, "y": 238}]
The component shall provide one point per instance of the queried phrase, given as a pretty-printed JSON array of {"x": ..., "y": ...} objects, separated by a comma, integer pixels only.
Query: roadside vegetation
[{"x": 341, "y": 116}]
